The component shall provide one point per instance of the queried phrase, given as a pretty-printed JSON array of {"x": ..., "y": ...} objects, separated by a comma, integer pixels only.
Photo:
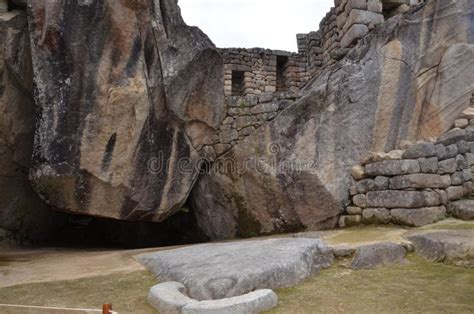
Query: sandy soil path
[{"x": 41, "y": 265}]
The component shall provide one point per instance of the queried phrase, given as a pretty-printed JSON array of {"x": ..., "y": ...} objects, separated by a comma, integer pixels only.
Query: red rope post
[{"x": 107, "y": 308}]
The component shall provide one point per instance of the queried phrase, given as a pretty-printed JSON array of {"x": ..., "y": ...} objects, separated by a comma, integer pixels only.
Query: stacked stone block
[
  {"x": 343, "y": 26},
  {"x": 302, "y": 42},
  {"x": 309, "y": 47},
  {"x": 259, "y": 67},
  {"x": 330, "y": 39},
  {"x": 415, "y": 186},
  {"x": 245, "y": 114},
  {"x": 254, "y": 78},
  {"x": 355, "y": 18}
]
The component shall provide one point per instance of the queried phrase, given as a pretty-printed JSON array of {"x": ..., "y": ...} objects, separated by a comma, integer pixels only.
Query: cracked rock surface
[
  {"x": 450, "y": 247},
  {"x": 222, "y": 270},
  {"x": 125, "y": 90},
  {"x": 409, "y": 79}
]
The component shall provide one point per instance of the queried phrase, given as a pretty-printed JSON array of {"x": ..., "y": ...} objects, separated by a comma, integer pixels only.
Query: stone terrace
[{"x": 418, "y": 185}]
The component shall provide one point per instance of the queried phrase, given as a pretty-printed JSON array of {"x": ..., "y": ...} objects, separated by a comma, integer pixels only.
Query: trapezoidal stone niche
[{"x": 120, "y": 85}]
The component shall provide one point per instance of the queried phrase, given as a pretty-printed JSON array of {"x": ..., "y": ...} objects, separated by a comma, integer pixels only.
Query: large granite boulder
[
  {"x": 128, "y": 96},
  {"x": 407, "y": 80},
  {"x": 221, "y": 270},
  {"x": 23, "y": 216}
]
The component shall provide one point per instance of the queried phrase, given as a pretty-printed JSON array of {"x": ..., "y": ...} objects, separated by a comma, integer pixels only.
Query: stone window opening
[
  {"x": 391, "y": 8},
  {"x": 282, "y": 62},
  {"x": 8, "y": 5},
  {"x": 238, "y": 83}
]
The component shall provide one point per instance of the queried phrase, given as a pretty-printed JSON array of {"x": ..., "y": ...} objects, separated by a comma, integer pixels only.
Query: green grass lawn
[
  {"x": 465, "y": 225},
  {"x": 417, "y": 287},
  {"x": 127, "y": 292}
]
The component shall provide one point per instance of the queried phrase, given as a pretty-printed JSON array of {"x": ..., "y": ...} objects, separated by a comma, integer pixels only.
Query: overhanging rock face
[
  {"x": 407, "y": 80},
  {"x": 22, "y": 214},
  {"x": 125, "y": 90}
]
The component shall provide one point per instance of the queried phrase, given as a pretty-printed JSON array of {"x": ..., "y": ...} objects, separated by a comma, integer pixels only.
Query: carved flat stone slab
[
  {"x": 171, "y": 298},
  {"x": 221, "y": 270}
]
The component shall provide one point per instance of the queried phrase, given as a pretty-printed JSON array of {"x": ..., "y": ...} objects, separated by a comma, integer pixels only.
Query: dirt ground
[{"x": 42, "y": 265}]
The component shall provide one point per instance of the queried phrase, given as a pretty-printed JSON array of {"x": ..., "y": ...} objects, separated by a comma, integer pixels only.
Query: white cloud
[{"x": 255, "y": 23}]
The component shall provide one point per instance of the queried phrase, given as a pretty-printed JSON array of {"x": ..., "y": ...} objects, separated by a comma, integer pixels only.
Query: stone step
[
  {"x": 463, "y": 209},
  {"x": 446, "y": 246}
]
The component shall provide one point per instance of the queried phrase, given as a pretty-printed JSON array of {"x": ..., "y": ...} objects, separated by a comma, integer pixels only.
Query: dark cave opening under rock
[{"x": 81, "y": 231}]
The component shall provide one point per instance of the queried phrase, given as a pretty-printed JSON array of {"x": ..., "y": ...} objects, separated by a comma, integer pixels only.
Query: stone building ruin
[
  {"x": 259, "y": 83},
  {"x": 249, "y": 72},
  {"x": 384, "y": 71}
]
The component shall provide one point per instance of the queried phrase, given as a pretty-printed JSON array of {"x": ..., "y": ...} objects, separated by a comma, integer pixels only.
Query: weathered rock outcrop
[
  {"x": 128, "y": 96},
  {"x": 407, "y": 80},
  {"x": 450, "y": 247},
  {"x": 378, "y": 254},
  {"x": 23, "y": 216}
]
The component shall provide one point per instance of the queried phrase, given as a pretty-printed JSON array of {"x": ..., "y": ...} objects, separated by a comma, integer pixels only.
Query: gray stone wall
[
  {"x": 260, "y": 82},
  {"x": 309, "y": 46},
  {"x": 355, "y": 18},
  {"x": 342, "y": 27},
  {"x": 245, "y": 114},
  {"x": 318, "y": 47},
  {"x": 414, "y": 186},
  {"x": 330, "y": 41},
  {"x": 252, "y": 72}
]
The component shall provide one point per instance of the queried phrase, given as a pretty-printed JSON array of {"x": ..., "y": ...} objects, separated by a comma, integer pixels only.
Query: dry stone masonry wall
[
  {"x": 256, "y": 71},
  {"x": 258, "y": 84},
  {"x": 256, "y": 79},
  {"x": 329, "y": 35},
  {"x": 309, "y": 45},
  {"x": 414, "y": 187},
  {"x": 356, "y": 18},
  {"x": 343, "y": 26},
  {"x": 251, "y": 72},
  {"x": 380, "y": 101},
  {"x": 247, "y": 113}
]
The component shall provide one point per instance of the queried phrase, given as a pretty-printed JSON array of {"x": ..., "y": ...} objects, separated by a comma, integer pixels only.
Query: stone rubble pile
[{"x": 414, "y": 187}]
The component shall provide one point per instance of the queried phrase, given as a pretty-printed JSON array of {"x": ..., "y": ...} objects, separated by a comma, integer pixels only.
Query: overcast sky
[{"x": 255, "y": 23}]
